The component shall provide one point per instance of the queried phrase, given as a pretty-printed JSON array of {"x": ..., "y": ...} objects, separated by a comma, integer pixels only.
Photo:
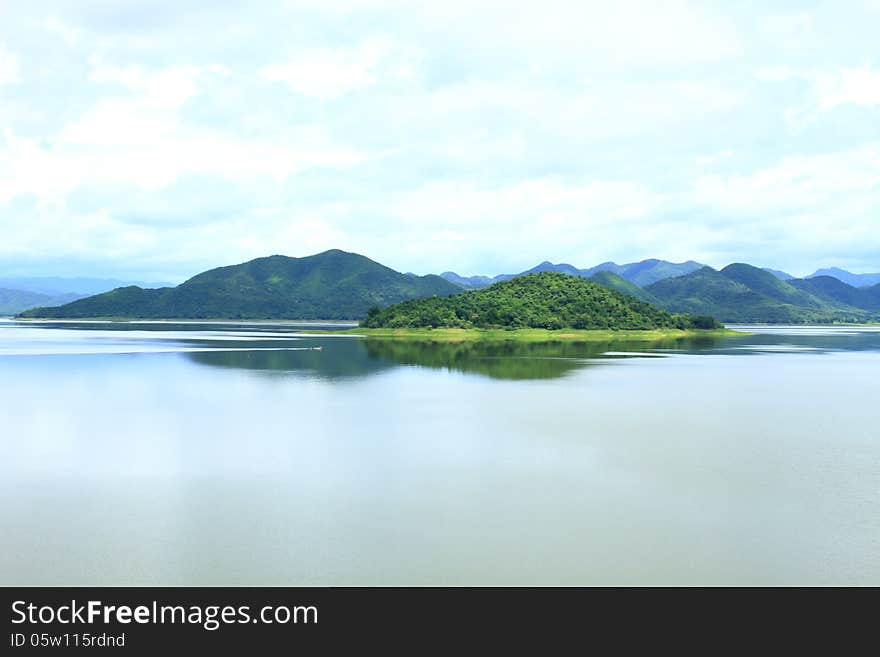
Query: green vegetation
[
  {"x": 329, "y": 285},
  {"x": 340, "y": 285},
  {"x": 531, "y": 334},
  {"x": 834, "y": 291},
  {"x": 743, "y": 293},
  {"x": 540, "y": 301},
  {"x": 614, "y": 282}
]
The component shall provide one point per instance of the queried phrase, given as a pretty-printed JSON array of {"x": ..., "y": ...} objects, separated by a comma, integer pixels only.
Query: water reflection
[
  {"x": 520, "y": 360},
  {"x": 338, "y": 359},
  {"x": 273, "y": 348}
]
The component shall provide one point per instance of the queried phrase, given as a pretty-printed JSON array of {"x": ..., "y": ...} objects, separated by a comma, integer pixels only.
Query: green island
[{"x": 538, "y": 307}]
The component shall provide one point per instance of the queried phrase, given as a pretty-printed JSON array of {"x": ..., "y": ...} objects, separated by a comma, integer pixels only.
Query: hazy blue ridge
[
  {"x": 467, "y": 281},
  {"x": 56, "y": 286},
  {"x": 641, "y": 273},
  {"x": 856, "y": 280},
  {"x": 778, "y": 273},
  {"x": 13, "y": 302}
]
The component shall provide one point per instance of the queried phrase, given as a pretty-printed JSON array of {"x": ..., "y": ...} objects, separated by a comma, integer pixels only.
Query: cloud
[
  {"x": 827, "y": 89},
  {"x": 139, "y": 137},
  {"x": 150, "y": 140},
  {"x": 797, "y": 183},
  {"x": 8, "y": 66},
  {"x": 859, "y": 86},
  {"x": 327, "y": 73},
  {"x": 167, "y": 88}
]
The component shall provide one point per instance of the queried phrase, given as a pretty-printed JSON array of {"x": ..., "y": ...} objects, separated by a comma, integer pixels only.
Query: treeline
[{"x": 544, "y": 300}]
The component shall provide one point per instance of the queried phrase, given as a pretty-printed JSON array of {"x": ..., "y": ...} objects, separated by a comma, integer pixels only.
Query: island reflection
[{"x": 508, "y": 360}]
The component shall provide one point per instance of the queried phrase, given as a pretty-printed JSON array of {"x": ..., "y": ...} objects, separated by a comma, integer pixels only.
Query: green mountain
[
  {"x": 541, "y": 300},
  {"x": 330, "y": 285},
  {"x": 743, "y": 293},
  {"x": 835, "y": 291},
  {"x": 15, "y": 301},
  {"x": 612, "y": 281},
  {"x": 768, "y": 285}
]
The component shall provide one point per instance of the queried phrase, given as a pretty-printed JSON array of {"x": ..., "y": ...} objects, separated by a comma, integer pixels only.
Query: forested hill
[
  {"x": 743, "y": 293},
  {"x": 330, "y": 285},
  {"x": 542, "y": 300}
]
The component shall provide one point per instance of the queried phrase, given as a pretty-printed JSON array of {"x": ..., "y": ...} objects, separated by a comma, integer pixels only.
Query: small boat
[{"x": 318, "y": 348}]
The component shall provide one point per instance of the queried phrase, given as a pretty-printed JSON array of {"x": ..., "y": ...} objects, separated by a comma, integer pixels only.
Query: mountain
[
  {"x": 833, "y": 290},
  {"x": 612, "y": 281},
  {"x": 641, "y": 273},
  {"x": 646, "y": 272},
  {"x": 562, "y": 268},
  {"x": 541, "y": 300},
  {"x": 15, "y": 301},
  {"x": 856, "y": 280},
  {"x": 467, "y": 281},
  {"x": 743, "y": 293},
  {"x": 781, "y": 275},
  {"x": 330, "y": 285},
  {"x": 768, "y": 285},
  {"x": 56, "y": 285}
]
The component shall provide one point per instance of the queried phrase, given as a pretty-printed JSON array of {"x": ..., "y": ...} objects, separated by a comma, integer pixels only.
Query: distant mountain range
[
  {"x": 340, "y": 285},
  {"x": 329, "y": 285},
  {"x": 781, "y": 275},
  {"x": 646, "y": 272},
  {"x": 57, "y": 285},
  {"x": 640, "y": 273},
  {"x": 856, "y": 280},
  {"x": 13, "y": 302}
]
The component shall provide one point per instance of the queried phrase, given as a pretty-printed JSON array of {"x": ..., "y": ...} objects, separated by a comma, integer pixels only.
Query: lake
[{"x": 234, "y": 454}]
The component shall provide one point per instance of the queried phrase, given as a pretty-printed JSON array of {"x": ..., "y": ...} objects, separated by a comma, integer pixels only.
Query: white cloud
[
  {"x": 141, "y": 139},
  {"x": 8, "y": 66},
  {"x": 68, "y": 33},
  {"x": 328, "y": 73},
  {"x": 483, "y": 136},
  {"x": 542, "y": 203},
  {"x": 837, "y": 191},
  {"x": 828, "y": 89},
  {"x": 167, "y": 88},
  {"x": 859, "y": 86},
  {"x": 84, "y": 156}
]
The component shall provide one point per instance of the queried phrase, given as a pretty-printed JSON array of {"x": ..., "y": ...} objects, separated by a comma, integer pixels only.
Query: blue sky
[{"x": 152, "y": 140}]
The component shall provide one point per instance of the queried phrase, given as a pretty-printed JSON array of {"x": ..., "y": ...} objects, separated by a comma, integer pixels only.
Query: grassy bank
[{"x": 532, "y": 335}]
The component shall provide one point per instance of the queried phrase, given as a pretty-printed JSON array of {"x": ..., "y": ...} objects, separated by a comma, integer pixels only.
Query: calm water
[{"x": 231, "y": 454}]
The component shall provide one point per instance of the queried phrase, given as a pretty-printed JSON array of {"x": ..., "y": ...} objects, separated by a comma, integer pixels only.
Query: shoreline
[{"x": 533, "y": 334}]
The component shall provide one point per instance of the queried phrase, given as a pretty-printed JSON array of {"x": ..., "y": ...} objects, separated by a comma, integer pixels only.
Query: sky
[{"x": 151, "y": 140}]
